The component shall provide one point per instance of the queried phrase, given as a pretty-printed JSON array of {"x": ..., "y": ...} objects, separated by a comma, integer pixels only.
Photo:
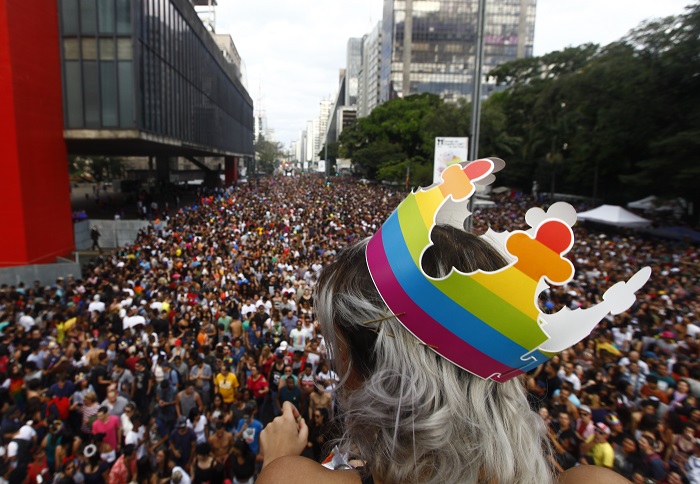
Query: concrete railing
[
  {"x": 114, "y": 233},
  {"x": 46, "y": 274}
]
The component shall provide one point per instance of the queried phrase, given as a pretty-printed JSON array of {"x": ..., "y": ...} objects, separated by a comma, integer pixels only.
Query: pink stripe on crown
[{"x": 424, "y": 327}]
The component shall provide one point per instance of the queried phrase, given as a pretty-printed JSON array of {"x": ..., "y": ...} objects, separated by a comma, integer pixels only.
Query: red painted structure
[
  {"x": 231, "y": 170},
  {"x": 35, "y": 209}
]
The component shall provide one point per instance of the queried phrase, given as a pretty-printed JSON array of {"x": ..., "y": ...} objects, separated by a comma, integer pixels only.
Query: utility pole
[{"x": 476, "y": 97}]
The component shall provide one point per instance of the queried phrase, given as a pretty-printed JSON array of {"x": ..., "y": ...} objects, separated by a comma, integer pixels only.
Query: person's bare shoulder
[
  {"x": 300, "y": 470},
  {"x": 588, "y": 474}
]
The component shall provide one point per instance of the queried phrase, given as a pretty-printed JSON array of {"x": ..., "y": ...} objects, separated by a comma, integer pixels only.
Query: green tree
[{"x": 267, "y": 154}]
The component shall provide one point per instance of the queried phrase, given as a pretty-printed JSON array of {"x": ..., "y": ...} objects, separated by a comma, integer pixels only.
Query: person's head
[
  {"x": 161, "y": 456},
  {"x": 103, "y": 414},
  {"x": 374, "y": 354},
  {"x": 584, "y": 412},
  {"x": 682, "y": 387},
  {"x": 90, "y": 398},
  {"x": 128, "y": 451},
  {"x": 203, "y": 449},
  {"x": 320, "y": 416},
  {"x": 248, "y": 413},
  {"x": 181, "y": 424},
  {"x": 564, "y": 420},
  {"x": 189, "y": 387},
  {"x": 629, "y": 445},
  {"x": 602, "y": 432},
  {"x": 290, "y": 382},
  {"x": 646, "y": 443}
]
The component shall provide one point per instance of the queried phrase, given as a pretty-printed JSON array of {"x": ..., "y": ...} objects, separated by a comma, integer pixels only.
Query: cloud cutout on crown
[{"x": 488, "y": 323}]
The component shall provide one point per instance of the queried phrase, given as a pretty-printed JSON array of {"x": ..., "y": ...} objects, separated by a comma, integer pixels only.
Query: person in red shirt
[
  {"x": 124, "y": 469},
  {"x": 258, "y": 385},
  {"x": 109, "y": 425},
  {"x": 651, "y": 387}
]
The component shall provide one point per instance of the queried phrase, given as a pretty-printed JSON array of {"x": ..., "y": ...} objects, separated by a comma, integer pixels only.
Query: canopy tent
[
  {"x": 613, "y": 215},
  {"x": 649, "y": 203}
]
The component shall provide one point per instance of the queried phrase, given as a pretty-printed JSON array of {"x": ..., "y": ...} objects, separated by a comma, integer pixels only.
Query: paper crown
[{"x": 488, "y": 323}]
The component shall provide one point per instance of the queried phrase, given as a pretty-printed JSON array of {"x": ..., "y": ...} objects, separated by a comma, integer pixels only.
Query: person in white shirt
[
  {"x": 96, "y": 304},
  {"x": 298, "y": 337},
  {"x": 566, "y": 372},
  {"x": 633, "y": 357}
]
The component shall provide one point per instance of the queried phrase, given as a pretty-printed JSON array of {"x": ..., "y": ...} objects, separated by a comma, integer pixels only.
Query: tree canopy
[
  {"x": 616, "y": 122},
  {"x": 267, "y": 154}
]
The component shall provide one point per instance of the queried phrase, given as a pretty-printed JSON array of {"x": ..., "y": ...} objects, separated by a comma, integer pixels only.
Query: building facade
[
  {"x": 368, "y": 89},
  {"x": 353, "y": 66},
  {"x": 429, "y": 45},
  {"x": 149, "y": 67}
]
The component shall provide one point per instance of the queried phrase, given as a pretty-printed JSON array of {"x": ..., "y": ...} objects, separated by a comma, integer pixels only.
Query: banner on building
[{"x": 448, "y": 151}]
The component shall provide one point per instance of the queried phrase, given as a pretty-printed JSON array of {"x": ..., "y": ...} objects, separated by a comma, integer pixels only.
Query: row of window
[{"x": 161, "y": 76}]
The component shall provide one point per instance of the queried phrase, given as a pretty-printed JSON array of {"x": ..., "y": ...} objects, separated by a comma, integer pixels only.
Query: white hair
[{"x": 411, "y": 415}]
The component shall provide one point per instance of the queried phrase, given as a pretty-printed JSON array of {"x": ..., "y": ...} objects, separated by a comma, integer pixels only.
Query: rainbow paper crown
[{"x": 488, "y": 323}]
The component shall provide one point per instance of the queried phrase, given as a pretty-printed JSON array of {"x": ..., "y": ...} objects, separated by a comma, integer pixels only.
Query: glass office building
[
  {"x": 151, "y": 66},
  {"x": 439, "y": 43}
]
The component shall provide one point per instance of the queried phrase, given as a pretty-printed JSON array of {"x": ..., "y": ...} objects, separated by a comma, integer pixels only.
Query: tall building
[
  {"x": 352, "y": 70},
  {"x": 311, "y": 136},
  {"x": 324, "y": 116},
  {"x": 368, "y": 88},
  {"x": 429, "y": 45}
]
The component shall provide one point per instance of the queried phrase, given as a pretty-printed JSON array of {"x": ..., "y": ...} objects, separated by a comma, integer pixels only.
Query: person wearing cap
[
  {"x": 182, "y": 443},
  {"x": 598, "y": 450},
  {"x": 617, "y": 431}
]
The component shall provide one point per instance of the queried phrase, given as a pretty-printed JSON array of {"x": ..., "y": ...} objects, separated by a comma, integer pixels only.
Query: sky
[{"x": 293, "y": 49}]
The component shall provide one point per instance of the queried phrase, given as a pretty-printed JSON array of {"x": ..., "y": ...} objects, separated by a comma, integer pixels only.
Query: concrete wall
[
  {"x": 114, "y": 233},
  {"x": 46, "y": 274}
]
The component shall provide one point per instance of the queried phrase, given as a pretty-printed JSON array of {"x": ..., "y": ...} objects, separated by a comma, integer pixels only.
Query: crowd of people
[{"x": 164, "y": 362}]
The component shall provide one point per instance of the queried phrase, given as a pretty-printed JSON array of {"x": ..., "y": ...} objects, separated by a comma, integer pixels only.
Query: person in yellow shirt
[
  {"x": 598, "y": 450},
  {"x": 226, "y": 384}
]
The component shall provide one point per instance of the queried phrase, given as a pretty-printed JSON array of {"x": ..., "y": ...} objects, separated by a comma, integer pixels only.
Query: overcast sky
[{"x": 293, "y": 49}]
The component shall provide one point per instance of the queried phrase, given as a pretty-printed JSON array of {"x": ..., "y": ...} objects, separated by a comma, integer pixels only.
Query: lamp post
[{"x": 476, "y": 97}]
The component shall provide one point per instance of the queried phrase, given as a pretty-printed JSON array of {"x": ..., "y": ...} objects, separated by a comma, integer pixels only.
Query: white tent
[
  {"x": 613, "y": 215},
  {"x": 648, "y": 203}
]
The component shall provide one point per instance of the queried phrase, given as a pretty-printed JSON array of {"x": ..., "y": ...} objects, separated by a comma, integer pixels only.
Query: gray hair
[{"x": 411, "y": 415}]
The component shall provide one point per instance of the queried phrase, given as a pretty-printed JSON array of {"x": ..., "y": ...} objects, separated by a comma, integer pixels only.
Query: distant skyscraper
[
  {"x": 324, "y": 115},
  {"x": 428, "y": 45},
  {"x": 352, "y": 71},
  {"x": 368, "y": 89}
]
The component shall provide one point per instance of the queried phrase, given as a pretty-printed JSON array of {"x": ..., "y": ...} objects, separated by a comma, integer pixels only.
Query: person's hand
[{"x": 285, "y": 435}]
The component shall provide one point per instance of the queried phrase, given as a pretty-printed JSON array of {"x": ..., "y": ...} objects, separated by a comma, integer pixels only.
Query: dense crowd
[{"x": 165, "y": 361}]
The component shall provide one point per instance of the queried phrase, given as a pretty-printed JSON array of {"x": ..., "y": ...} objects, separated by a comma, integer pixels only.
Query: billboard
[
  {"x": 448, "y": 151},
  {"x": 321, "y": 166}
]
